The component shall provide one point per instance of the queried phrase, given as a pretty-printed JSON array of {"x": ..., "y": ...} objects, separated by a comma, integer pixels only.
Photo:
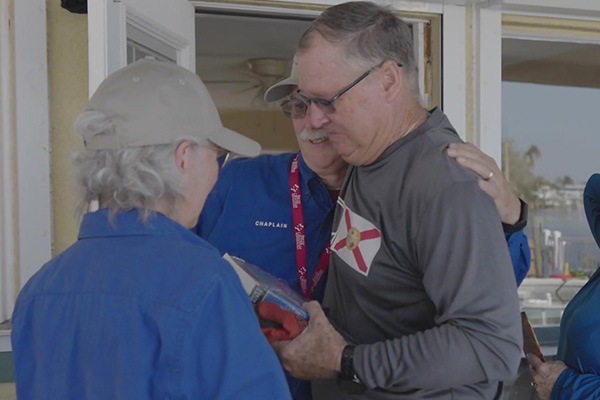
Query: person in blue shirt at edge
[
  {"x": 576, "y": 374},
  {"x": 249, "y": 214},
  {"x": 140, "y": 307}
]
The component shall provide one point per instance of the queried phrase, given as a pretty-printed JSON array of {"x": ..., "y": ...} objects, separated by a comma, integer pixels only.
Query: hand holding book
[
  {"x": 278, "y": 324},
  {"x": 530, "y": 342},
  {"x": 263, "y": 287}
]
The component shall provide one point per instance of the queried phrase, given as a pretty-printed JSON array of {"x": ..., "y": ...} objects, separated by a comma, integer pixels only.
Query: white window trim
[
  {"x": 472, "y": 74},
  {"x": 487, "y": 93},
  {"x": 454, "y": 64},
  {"x": 310, "y": 7},
  {"x": 584, "y": 11},
  {"x": 32, "y": 133},
  {"x": 580, "y": 9},
  {"x": 547, "y": 34},
  {"x": 484, "y": 100},
  {"x": 108, "y": 22},
  {"x": 7, "y": 170}
]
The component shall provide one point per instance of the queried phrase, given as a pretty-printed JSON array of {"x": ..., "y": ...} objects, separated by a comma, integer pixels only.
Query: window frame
[
  {"x": 26, "y": 223},
  {"x": 526, "y": 25}
]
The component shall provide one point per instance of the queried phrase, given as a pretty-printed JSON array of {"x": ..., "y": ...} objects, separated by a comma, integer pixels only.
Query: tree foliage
[
  {"x": 531, "y": 154},
  {"x": 564, "y": 181},
  {"x": 521, "y": 177}
]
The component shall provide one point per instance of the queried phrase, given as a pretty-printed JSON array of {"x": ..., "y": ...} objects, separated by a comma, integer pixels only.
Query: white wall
[
  {"x": 32, "y": 136},
  {"x": 31, "y": 140}
]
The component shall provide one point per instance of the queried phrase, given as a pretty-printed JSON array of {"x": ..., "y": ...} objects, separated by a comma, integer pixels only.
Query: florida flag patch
[{"x": 356, "y": 240}]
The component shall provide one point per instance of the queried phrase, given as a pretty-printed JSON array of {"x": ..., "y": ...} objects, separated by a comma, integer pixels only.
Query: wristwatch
[
  {"x": 347, "y": 366},
  {"x": 520, "y": 224}
]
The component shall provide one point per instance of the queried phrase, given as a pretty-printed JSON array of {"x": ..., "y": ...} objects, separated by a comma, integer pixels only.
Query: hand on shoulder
[{"x": 491, "y": 180}]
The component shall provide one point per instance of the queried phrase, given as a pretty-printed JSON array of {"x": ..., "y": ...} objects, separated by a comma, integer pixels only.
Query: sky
[{"x": 561, "y": 121}]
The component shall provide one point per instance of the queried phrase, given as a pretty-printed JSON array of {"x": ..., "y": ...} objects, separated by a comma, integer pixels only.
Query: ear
[
  {"x": 182, "y": 152},
  {"x": 392, "y": 81}
]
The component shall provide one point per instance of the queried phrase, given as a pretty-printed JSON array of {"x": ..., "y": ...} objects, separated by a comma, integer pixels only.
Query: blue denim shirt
[{"x": 133, "y": 311}]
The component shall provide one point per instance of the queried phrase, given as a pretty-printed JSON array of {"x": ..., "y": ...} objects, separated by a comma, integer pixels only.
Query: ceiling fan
[{"x": 260, "y": 73}]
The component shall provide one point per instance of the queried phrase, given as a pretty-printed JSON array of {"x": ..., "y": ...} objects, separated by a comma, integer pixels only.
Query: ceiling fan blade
[
  {"x": 225, "y": 81},
  {"x": 249, "y": 88}
]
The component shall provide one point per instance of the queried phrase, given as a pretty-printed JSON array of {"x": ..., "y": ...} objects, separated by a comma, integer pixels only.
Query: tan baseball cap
[
  {"x": 283, "y": 88},
  {"x": 154, "y": 102}
]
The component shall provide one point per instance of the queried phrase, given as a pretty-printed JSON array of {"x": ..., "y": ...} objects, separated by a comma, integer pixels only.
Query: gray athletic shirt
[{"x": 421, "y": 278}]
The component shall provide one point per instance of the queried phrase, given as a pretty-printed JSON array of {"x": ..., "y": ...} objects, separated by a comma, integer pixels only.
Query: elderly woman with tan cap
[{"x": 140, "y": 307}]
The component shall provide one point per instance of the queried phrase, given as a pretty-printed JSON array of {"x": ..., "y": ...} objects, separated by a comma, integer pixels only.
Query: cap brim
[
  {"x": 280, "y": 90},
  {"x": 234, "y": 142}
]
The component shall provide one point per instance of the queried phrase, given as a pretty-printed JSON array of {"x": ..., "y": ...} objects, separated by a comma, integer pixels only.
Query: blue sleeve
[
  {"x": 591, "y": 203},
  {"x": 520, "y": 254},
  {"x": 572, "y": 385},
  {"x": 229, "y": 357},
  {"x": 213, "y": 206}
]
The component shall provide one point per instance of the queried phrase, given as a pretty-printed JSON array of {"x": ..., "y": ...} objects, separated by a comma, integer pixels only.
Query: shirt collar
[
  {"x": 128, "y": 223},
  {"x": 312, "y": 182},
  {"x": 306, "y": 174}
]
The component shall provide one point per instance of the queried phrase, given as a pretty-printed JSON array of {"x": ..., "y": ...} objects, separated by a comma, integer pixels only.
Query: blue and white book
[{"x": 261, "y": 285}]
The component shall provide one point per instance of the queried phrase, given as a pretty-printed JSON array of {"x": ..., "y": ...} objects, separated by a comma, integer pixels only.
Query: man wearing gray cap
[
  {"x": 249, "y": 214},
  {"x": 140, "y": 307}
]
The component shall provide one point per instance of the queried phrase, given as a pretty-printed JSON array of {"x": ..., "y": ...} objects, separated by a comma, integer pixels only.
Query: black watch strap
[
  {"x": 520, "y": 224},
  {"x": 347, "y": 365}
]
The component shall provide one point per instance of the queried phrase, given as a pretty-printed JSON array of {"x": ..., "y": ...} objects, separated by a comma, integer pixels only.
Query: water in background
[
  {"x": 581, "y": 250},
  {"x": 571, "y": 222},
  {"x": 544, "y": 300}
]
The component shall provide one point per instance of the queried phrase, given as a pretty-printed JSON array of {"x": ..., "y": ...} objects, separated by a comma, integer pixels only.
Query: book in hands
[
  {"x": 262, "y": 286},
  {"x": 530, "y": 342}
]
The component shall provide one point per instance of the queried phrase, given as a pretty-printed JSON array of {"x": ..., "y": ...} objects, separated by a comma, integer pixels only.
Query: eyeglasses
[
  {"x": 296, "y": 107},
  {"x": 222, "y": 155},
  {"x": 222, "y": 158}
]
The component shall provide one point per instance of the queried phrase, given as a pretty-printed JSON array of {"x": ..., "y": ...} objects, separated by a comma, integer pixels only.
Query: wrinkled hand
[
  {"x": 316, "y": 352},
  {"x": 544, "y": 374},
  {"x": 469, "y": 156}
]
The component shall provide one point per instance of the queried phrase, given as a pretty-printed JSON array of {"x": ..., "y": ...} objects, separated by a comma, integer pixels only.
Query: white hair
[{"x": 126, "y": 178}]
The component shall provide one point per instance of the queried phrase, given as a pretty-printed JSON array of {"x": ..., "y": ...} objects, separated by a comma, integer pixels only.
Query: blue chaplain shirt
[
  {"x": 248, "y": 215},
  {"x": 520, "y": 254},
  {"x": 133, "y": 311}
]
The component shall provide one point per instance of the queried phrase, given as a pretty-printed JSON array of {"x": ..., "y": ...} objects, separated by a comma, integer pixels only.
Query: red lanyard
[{"x": 298, "y": 222}]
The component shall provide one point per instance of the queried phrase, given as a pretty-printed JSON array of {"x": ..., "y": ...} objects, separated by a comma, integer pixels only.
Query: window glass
[{"x": 550, "y": 94}]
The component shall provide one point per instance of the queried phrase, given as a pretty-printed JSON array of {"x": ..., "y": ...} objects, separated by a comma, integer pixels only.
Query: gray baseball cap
[
  {"x": 154, "y": 102},
  {"x": 283, "y": 88}
]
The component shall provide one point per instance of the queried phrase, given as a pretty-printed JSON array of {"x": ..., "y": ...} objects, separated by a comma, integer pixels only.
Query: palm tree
[
  {"x": 531, "y": 154},
  {"x": 565, "y": 180}
]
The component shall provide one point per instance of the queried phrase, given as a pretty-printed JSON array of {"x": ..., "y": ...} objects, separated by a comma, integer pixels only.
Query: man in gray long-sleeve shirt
[{"x": 420, "y": 278}]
